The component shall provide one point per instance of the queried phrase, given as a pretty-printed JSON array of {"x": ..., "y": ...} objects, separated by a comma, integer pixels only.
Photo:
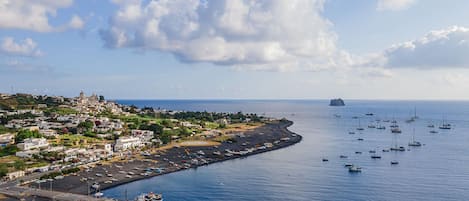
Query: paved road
[{"x": 20, "y": 192}]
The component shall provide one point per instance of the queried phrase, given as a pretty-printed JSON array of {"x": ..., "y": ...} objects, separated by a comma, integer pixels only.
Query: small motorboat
[
  {"x": 394, "y": 162},
  {"x": 375, "y": 157},
  {"x": 397, "y": 149},
  {"x": 360, "y": 139},
  {"x": 354, "y": 169},
  {"x": 351, "y": 132},
  {"x": 396, "y": 130},
  {"x": 433, "y": 131},
  {"x": 325, "y": 160},
  {"x": 343, "y": 156},
  {"x": 150, "y": 197},
  {"x": 358, "y": 152},
  {"x": 98, "y": 195},
  {"x": 348, "y": 165},
  {"x": 385, "y": 150}
]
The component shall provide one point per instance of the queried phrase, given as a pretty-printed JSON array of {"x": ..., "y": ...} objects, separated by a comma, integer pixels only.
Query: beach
[{"x": 268, "y": 137}]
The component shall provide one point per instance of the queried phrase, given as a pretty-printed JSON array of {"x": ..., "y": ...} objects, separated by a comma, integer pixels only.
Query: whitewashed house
[
  {"x": 33, "y": 143},
  {"x": 125, "y": 143}
]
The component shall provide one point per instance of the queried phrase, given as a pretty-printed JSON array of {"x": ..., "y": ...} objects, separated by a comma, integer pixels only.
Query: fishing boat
[{"x": 150, "y": 197}]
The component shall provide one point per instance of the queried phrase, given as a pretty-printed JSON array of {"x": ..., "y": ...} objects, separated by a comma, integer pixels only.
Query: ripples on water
[{"x": 436, "y": 171}]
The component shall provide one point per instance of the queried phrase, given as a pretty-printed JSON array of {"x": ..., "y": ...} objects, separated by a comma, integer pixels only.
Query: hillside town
[{"x": 50, "y": 133}]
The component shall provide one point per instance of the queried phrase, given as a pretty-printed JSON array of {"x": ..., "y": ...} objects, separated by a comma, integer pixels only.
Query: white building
[
  {"x": 48, "y": 132},
  {"x": 124, "y": 143},
  {"x": 14, "y": 175},
  {"x": 33, "y": 143},
  {"x": 27, "y": 154},
  {"x": 6, "y": 139}
]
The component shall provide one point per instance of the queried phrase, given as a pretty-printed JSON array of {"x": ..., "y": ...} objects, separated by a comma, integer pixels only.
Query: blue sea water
[{"x": 439, "y": 170}]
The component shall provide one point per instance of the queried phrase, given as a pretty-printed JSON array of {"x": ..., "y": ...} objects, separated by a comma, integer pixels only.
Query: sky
[{"x": 236, "y": 49}]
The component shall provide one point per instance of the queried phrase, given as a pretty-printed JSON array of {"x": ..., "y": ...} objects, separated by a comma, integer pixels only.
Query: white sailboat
[
  {"x": 413, "y": 142},
  {"x": 360, "y": 128}
]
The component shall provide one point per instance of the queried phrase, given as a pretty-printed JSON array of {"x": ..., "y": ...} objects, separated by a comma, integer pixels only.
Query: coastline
[{"x": 176, "y": 159}]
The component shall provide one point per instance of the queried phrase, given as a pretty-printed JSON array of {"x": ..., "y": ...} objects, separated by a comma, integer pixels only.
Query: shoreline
[{"x": 177, "y": 159}]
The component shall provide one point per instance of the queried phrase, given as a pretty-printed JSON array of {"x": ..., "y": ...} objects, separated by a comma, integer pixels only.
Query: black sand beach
[{"x": 276, "y": 135}]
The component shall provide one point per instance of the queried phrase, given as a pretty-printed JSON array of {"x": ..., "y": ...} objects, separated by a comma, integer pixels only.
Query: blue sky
[{"x": 305, "y": 49}]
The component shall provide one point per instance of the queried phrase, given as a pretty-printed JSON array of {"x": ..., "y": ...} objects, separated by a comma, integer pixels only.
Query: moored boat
[
  {"x": 150, "y": 197},
  {"x": 354, "y": 168}
]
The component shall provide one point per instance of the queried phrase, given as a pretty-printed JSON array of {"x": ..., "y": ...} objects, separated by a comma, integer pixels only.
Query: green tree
[
  {"x": 23, "y": 134},
  {"x": 8, "y": 150},
  {"x": 3, "y": 170},
  {"x": 19, "y": 165},
  {"x": 85, "y": 126}
]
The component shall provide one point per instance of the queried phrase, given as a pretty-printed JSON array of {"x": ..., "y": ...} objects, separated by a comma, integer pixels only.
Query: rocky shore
[{"x": 265, "y": 138}]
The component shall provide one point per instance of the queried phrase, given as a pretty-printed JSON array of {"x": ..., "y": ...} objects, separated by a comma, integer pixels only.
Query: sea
[{"x": 438, "y": 170}]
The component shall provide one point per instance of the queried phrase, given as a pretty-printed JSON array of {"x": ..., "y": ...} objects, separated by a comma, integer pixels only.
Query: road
[{"x": 12, "y": 189}]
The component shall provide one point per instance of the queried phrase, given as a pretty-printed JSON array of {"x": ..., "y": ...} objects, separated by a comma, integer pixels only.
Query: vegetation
[
  {"x": 3, "y": 169},
  {"x": 4, "y": 130},
  {"x": 8, "y": 150},
  {"x": 24, "y": 134},
  {"x": 64, "y": 172},
  {"x": 59, "y": 111},
  {"x": 28, "y": 115}
]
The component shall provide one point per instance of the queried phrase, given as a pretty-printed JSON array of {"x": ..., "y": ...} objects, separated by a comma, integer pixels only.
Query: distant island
[{"x": 337, "y": 102}]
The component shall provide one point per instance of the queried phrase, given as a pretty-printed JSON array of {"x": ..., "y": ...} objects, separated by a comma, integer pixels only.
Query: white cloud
[
  {"x": 19, "y": 66},
  {"x": 34, "y": 15},
  {"x": 76, "y": 22},
  {"x": 258, "y": 34},
  {"x": 394, "y": 5},
  {"x": 26, "y": 47},
  {"x": 437, "y": 49}
]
